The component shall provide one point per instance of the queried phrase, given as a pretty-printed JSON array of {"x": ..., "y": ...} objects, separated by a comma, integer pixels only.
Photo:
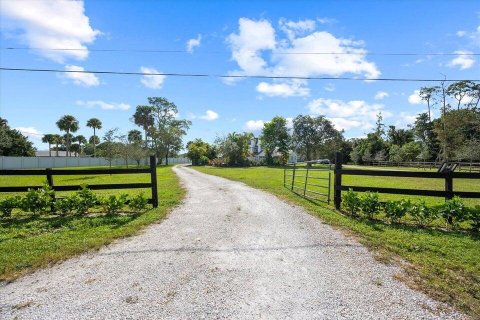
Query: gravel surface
[{"x": 229, "y": 252}]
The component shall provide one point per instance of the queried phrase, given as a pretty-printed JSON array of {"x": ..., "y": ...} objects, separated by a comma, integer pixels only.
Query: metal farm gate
[{"x": 309, "y": 179}]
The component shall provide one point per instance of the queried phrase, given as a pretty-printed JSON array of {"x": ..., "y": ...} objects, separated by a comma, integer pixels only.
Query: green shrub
[
  {"x": 112, "y": 204},
  {"x": 203, "y": 161},
  {"x": 474, "y": 217},
  {"x": 453, "y": 211},
  {"x": 422, "y": 214},
  {"x": 351, "y": 202},
  {"x": 84, "y": 199},
  {"x": 396, "y": 210},
  {"x": 138, "y": 203},
  {"x": 369, "y": 204},
  {"x": 66, "y": 205},
  {"x": 37, "y": 200},
  {"x": 7, "y": 205}
]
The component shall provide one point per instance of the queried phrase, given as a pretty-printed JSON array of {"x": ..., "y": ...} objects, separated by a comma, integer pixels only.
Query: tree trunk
[
  {"x": 68, "y": 143},
  {"x": 94, "y": 143},
  {"x": 49, "y": 149}
]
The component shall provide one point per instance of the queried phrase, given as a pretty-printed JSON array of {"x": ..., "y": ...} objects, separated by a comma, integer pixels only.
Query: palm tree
[
  {"x": 3, "y": 122},
  {"x": 134, "y": 136},
  {"x": 68, "y": 124},
  {"x": 49, "y": 138},
  {"x": 81, "y": 141},
  {"x": 143, "y": 117},
  {"x": 95, "y": 124},
  {"x": 57, "y": 139}
]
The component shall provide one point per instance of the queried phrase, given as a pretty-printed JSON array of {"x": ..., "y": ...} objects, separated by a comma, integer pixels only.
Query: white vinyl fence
[{"x": 63, "y": 162}]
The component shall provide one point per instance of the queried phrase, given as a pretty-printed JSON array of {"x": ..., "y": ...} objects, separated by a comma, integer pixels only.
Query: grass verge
[
  {"x": 28, "y": 243},
  {"x": 445, "y": 265}
]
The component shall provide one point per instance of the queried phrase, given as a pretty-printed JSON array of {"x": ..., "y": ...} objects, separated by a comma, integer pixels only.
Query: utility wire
[
  {"x": 206, "y": 75},
  {"x": 280, "y": 52}
]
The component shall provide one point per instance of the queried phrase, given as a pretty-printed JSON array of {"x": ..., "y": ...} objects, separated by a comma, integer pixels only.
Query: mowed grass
[
  {"x": 28, "y": 243},
  {"x": 444, "y": 264}
]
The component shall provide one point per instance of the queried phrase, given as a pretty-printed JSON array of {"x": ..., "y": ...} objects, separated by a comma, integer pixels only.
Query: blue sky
[{"x": 230, "y": 38}]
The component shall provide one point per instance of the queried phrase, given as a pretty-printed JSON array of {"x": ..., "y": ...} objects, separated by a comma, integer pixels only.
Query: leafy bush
[
  {"x": 369, "y": 204},
  {"x": 112, "y": 204},
  {"x": 7, "y": 205},
  {"x": 351, "y": 201},
  {"x": 422, "y": 214},
  {"x": 138, "y": 202},
  {"x": 203, "y": 161},
  {"x": 396, "y": 210},
  {"x": 474, "y": 216},
  {"x": 84, "y": 199},
  {"x": 37, "y": 200},
  {"x": 453, "y": 211},
  {"x": 66, "y": 205}
]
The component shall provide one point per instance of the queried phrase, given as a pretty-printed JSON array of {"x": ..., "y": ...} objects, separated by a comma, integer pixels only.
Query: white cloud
[
  {"x": 253, "y": 37},
  {"x": 381, "y": 95},
  {"x": 293, "y": 29},
  {"x": 414, "y": 98},
  {"x": 464, "y": 60},
  {"x": 103, "y": 105},
  {"x": 326, "y": 20},
  {"x": 254, "y": 125},
  {"x": 348, "y": 114},
  {"x": 289, "y": 122},
  {"x": 152, "y": 81},
  {"x": 81, "y": 78},
  {"x": 258, "y": 50},
  {"x": 284, "y": 89},
  {"x": 404, "y": 119},
  {"x": 461, "y": 33},
  {"x": 329, "y": 87},
  {"x": 30, "y": 132},
  {"x": 50, "y": 24},
  {"x": 209, "y": 115},
  {"x": 193, "y": 43}
]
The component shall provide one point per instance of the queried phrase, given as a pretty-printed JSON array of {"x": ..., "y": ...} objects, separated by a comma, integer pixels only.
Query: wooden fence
[
  {"x": 462, "y": 166},
  {"x": 448, "y": 193},
  {"x": 50, "y": 173}
]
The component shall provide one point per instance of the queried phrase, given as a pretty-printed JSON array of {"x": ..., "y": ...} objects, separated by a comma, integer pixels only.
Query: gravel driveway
[{"x": 229, "y": 252}]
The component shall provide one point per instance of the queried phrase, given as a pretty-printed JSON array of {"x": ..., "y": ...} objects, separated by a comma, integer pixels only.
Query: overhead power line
[
  {"x": 206, "y": 75},
  {"x": 277, "y": 52}
]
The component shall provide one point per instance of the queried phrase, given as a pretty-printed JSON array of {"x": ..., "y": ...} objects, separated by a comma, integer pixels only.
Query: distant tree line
[
  {"x": 453, "y": 136},
  {"x": 162, "y": 136},
  {"x": 310, "y": 138}
]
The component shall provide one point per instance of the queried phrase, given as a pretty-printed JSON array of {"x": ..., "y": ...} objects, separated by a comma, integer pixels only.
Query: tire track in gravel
[{"x": 228, "y": 252}]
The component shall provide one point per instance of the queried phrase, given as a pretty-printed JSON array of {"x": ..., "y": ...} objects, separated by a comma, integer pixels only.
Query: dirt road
[{"x": 229, "y": 252}]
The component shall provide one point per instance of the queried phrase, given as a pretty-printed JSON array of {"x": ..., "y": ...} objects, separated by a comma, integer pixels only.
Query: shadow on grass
[
  {"x": 24, "y": 227},
  {"x": 381, "y": 226}
]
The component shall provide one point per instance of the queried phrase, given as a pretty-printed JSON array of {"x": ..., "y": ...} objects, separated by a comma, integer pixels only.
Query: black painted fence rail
[
  {"x": 448, "y": 193},
  {"x": 50, "y": 173}
]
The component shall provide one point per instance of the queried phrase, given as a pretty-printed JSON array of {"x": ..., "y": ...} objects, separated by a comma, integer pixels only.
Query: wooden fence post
[
  {"x": 48, "y": 172},
  {"x": 293, "y": 175},
  {"x": 153, "y": 178},
  {"x": 337, "y": 191},
  {"x": 448, "y": 186}
]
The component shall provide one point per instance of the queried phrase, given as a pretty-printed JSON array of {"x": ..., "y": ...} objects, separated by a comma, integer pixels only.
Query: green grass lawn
[
  {"x": 28, "y": 243},
  {"x": 445, "y": 264}
]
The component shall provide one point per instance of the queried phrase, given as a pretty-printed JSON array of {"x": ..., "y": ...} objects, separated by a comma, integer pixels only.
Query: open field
[
  {"x": 30, "y": 243},
  {"x": 444, "y": 264}
]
